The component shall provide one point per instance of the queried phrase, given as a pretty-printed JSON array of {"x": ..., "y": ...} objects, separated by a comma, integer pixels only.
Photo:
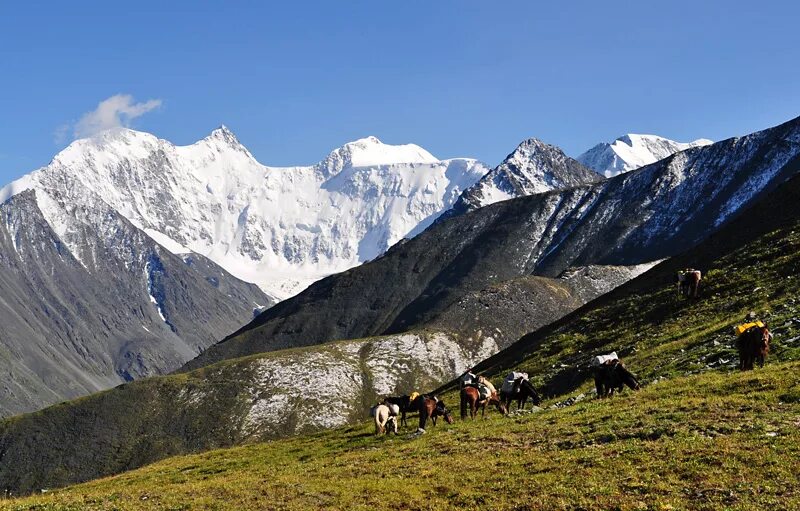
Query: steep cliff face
[{"x": 279, "y": 227}]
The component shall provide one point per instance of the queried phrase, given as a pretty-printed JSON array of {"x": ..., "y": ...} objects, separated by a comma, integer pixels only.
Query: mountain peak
[
  {"x": 369, "y": 152},
  {"x": 533, "y": 167},
  {"x": 632, "y": 151},
  {"x": 223, "y": 134}
]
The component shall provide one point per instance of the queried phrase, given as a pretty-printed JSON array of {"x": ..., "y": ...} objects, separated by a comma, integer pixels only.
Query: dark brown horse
[
  {"x": 431, "y": 408},
  {"x": 612, "y": 375},
  {"x": 689, "y": 282},
  {"x": 753, "y": 345},
  {"x": 521, "y": 391},
  {"x": 471, "y": 396}
]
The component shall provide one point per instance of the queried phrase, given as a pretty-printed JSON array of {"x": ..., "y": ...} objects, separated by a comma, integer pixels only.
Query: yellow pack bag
[{"x": 747, "y": 326}]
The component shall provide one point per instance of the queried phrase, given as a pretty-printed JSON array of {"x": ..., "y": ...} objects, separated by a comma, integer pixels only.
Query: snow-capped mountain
[
  {"x": 645, "y": 215},
  {"x": 632, "y": 151},
  {"x": 281, "y": 228},
  {"x": 533, "y": 167}
]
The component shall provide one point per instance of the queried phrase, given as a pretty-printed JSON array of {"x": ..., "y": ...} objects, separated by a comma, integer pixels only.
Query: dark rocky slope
[{"x": 122, "y": 308}]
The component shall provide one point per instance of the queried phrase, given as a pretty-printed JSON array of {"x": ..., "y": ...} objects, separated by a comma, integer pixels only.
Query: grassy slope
[
  {"x": 750, "y": 265},
  {"x": 155, "y": 418},
  {"x": 707, "y": 437},
  {"x": 711, "y": 441}
]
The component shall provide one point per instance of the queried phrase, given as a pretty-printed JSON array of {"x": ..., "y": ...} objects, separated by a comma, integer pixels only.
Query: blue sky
[{"x": 296, "y": 79}]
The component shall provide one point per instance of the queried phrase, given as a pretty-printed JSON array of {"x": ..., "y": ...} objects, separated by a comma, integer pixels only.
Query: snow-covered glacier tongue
[{"x": 278, "y": 227}]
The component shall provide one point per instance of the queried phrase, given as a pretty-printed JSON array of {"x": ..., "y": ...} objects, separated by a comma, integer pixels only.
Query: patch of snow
[{"x": 150, "y": 287}]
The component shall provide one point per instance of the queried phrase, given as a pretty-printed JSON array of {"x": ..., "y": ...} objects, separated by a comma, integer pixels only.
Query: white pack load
[
  {"x": 393, "y": 409},
  {"x": 602, "y": 359},
  {"x": 508, "y": 383},
  {"x": 468, "y": 379}
]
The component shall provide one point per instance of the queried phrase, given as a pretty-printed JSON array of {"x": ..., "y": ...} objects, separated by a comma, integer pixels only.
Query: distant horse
[
  {"x": 521, "y": 391},
  {"x": 689, "y": 282},
  {"x": 471, "y": 396},
  {"x": 753, "y": 345},
  {"x": 613, "y": 375},
  {"x": 404, "y": 402},
  {"x": 431, "y": 408},
  {"x": 381, "y": 414}
]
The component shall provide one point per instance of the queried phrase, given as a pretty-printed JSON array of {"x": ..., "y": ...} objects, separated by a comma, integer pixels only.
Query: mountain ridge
[
  {"x": 533, "y": 167},
  {"x": 278, "y": 227},
  {"x": 632, "y": 151},
  {"x": 650, "y": 213}
]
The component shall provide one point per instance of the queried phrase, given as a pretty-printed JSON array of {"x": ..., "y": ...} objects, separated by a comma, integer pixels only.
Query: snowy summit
[
  {"x": 279, "y": 227},
  {"x": 632, "y": 151}
]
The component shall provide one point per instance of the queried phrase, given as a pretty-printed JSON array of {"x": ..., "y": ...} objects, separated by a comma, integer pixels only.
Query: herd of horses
[{"x": 610, "y": 375}]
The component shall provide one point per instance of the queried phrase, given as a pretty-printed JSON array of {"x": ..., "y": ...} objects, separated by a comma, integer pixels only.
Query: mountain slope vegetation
[{"x": 716, "y": 441}]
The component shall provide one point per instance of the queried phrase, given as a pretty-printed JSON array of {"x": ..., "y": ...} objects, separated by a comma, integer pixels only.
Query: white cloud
[{"x": 118, "y": 110}]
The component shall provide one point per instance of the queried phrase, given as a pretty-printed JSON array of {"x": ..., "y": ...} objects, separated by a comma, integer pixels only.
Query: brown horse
[
  {"x": 430, "y": 407},
  {"x": 689, "y": 282},
  {"x": 613, "y": 375},
  {"x": 471, "y": 396},
  {"x": 753, "y": 345}
]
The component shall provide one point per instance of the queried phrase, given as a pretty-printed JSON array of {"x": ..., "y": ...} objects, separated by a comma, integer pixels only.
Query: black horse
[
  {"x": 613, "y": 375},
  {"x": 521, "y": 391},
  {"x": 406, "y": 404}
]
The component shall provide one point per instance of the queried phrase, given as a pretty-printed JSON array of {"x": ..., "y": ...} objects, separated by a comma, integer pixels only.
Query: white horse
[{"x": 384, "y": 419}]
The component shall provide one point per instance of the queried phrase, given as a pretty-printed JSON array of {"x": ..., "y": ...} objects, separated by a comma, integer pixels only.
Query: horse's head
[
  {"x": 444, "y": 412},
  {"x": 766, "y": 337},
  {"x": 627, "y": 377},
  {"x": 537, "y": 399}
]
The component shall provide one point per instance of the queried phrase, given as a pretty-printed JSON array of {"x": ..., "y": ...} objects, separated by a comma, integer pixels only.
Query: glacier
[{"x": 281, "y": 228}]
